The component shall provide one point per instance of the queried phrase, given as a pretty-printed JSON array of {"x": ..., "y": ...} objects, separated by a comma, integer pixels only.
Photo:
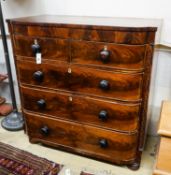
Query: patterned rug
[{"x": 14, "y": 161}]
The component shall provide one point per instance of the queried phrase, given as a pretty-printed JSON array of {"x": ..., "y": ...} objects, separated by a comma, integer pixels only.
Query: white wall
[
  {"x": 18, "y": 8},
  {"x": 161, "y": 85},
  {"x": 122, "y": 8},
  {"x": 161, "y": 77}
]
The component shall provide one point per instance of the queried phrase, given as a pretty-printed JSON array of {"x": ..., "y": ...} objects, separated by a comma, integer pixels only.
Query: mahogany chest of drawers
[{"x": 84, "y": 85}]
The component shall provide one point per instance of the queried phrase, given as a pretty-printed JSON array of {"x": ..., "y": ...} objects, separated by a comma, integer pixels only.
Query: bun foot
[{"x": 134, "y": 166}]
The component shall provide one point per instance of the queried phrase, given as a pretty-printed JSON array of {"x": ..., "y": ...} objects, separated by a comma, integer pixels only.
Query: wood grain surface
[
  {"x": 122, "y": 86},
  {"x": 130, "y": 57},
  {"x": 82, "y": 139},
  {"x": 54, "y": 49},
  {"x": 120, "y": 116}
]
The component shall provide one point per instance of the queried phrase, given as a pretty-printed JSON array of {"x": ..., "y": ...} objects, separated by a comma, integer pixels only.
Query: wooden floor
[{"x": 74, "y": 163}]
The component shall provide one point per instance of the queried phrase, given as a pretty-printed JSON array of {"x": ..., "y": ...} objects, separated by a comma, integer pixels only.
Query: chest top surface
[{"x": 105, "y": 23}]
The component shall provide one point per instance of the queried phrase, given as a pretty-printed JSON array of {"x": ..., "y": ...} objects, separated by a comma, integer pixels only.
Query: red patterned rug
[{"x": 14, "y": 161}]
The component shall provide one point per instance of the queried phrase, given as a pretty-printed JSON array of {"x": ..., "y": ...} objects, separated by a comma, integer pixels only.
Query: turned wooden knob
[
  {"x": 36, "y": 48},
  {"x": 103, "y": 143},
  {"x": 105, "y": 55},
  {"x": 45, "y": 130},
  {"x": 38, "y": 76},
  {"x": 41, "y": 103},
  {"x": 104, "y": 85},
  {"x": 103, "y": 115}
]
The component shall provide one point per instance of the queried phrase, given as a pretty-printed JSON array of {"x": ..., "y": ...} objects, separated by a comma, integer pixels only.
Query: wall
[
  {"x": 18, "y": 8},
  {"x": 122, "y": 8},
  {"x": 161, "y": 77},
  {"x": 161, "y": 85}
]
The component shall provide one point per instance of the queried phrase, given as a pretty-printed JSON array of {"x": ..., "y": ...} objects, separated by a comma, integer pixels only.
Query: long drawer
[
  {"x": 50, "y": 48},
  {"x": 86, "y": 140},
  {"x": 113, "y": 115},
  {"x": 104, "y": 34},
  {"x": 117, "y": 85}
]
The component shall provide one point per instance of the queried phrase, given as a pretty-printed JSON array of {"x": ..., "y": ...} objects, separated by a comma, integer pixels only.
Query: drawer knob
[
  {"x": 41, "y": 104},
  {"x": 45, "y": 130},
  {"x": 36, "y": 47},
  {"x": 103, "y": 143},
  {"x": 103, "y": 115},
  {"x": 104, "y": 85},
  {"x": 38, "y": 76},
  {"x": 105, "y": 55}
]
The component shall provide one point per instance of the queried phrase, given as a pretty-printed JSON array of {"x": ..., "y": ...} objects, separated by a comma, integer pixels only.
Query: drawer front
[
  {"x": 108, "y": 55},
  {"x": 54, "y": 49},
  {"x": 41, "y": 31},
  {"x": 92, "y": 141},
  {"x": 101, "y": 35},
  {"x": 122, "y": 86},
  {"x": 113, "y": 115},
  {"x": 116, "y": 85},
  {"x": 48, "y": 74}
]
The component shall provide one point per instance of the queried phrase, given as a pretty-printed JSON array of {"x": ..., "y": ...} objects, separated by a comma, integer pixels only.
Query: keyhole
[
  {"x": 70, "y": 98},
  {"x": 35, "y": 41},
  {"x": 69, "y": 70},
  {"x": 105, "y": 47}
]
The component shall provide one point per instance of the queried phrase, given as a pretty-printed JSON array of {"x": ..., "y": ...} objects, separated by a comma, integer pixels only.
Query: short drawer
[
  {"x": 50, "y": 48},
  {"x": 85, "y": 140},
  {"x": 114, "y": 85},
  {"x": 113, "y": 115},
  {"x": 125, "y": 86},
  {"x": 47, "y": 75},
  {"x": 130, "y": 57}
]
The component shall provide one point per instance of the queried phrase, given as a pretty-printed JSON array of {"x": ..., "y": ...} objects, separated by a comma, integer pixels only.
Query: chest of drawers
[{"x": 88, "y": 94}]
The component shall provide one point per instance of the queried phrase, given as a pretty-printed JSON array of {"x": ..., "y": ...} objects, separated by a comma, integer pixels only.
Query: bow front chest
[{"x": 84, "y": 84}]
